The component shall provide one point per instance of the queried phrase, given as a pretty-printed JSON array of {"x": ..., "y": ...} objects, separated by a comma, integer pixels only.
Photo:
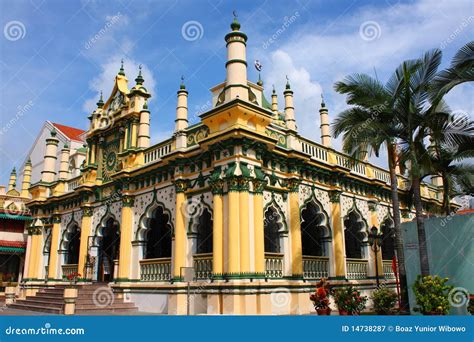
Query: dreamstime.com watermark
[
  {"x": 465, "y": 23},
  {"x": 21, "y": 110},
  {"x": 370, "y": 30},
  {"x": 192, "y": 30},
  {"x": 287, "y": 21},
  {"x": 111, "y": 21},
  {"x": 46, "y": 330},
  {"x": 14, "y": 30}
]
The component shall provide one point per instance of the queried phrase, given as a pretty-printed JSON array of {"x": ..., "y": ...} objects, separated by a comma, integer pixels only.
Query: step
[
  {"x": 114, "y": 306},
  {"x": 38, "y": 301},
  {"x": 21, "y": 306}
]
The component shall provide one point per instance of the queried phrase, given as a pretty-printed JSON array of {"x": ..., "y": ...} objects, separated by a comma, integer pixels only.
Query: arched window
[
  {"x": 314, "y": 234},
  {"x": 158, "y": 236},
  {"x": 388, "y": 240},
  {"x": 73, "y": 245},
  {"x": 354, "y": 235},
  {"x": 272, "y": 228},
  {"x": 204, "y": 233}
]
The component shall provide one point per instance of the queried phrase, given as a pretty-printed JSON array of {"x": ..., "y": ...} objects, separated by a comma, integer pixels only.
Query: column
[
  {"x": 374, "y": 222},
  {"x": 244, "y": 226},
  {"x": 179, "y": 229},
  {"x": 338, "y": 234},
  {"x": 233, "y": 245},
  {"x": 217, "y": 229},
  {"x": 53, "y": 252},
  {"x": 85, "y": 233},
  {"x": 126, "y": 232},
  {"x": 259, "y": 227},
  {"x": 295, "y": 230},
  {"x": 35, "y": 252}
]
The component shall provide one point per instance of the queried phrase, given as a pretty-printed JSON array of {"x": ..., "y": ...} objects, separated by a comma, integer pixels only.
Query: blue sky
[{"x": 52, "y": 68}]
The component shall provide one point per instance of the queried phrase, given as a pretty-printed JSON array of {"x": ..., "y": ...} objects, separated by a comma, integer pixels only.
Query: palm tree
[
  {"x": 366, "y": 127},
  {"x": 460, "y": 71}
]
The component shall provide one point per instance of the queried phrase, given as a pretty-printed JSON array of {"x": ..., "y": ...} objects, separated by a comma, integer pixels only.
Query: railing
[
  {"x": 315, "y": 267},
  {"x": 273, "y": 265},
  {"x": 158, "y": 152},
  {"x": 155, "y": 269},
  {"x": 356, "y": 268},
  {"x": 203, "y": 266},
  {"x": 73, "y": 183},
  {"x": 69, "y": 269},
  {"x": 387, "y": 269},
  {"x": 314, "y": 150}
]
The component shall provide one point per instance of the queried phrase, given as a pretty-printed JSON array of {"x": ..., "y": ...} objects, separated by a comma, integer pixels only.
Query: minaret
[
  {"x": 181, "y": 122},
  {"x": 141, "y": 94},
  {"x": 324, "y": 117},
  {"x": 50, "y": 155},
  {"x": 94, "y": 118},
  {"x": 25, "y": 185},
  {"x": 289, "y": 108},
  {"x": 236, "y": 66},
  {"x": 64, "y": 163},
  {"x": 12, "y": 182},
  {"x": 274, "y": 101}
]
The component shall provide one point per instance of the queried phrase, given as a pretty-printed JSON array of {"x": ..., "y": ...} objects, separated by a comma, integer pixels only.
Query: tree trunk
[
  {"x": 446, "y": 201},
  {"x": 405, "y": 306},
  {"x": 423, "y": 251}
]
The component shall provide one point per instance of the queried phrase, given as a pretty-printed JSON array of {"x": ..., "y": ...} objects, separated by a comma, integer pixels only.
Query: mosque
[{"x": 255, "y": 212}]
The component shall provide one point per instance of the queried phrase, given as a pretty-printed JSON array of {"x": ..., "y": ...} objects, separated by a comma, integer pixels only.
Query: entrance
[{"x": 109, "y": 248}]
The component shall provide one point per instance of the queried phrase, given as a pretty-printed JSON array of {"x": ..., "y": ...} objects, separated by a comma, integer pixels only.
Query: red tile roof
[
  {"x": 17, "y": 244},
  {"x": 71, "y": 132}
]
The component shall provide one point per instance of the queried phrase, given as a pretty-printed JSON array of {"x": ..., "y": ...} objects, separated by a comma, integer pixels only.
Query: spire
[
  {"x": 139, "y": 80},
  {"x": 121, "y": 71},
  {"x": 235, "y": 26},
  {"x": 100, "y": 103},
  {"x": 288, "y": 87},
  {"x": 12, "y": 182},
  {"x": 182, "y": 86},
  {"x": 323, "y": 104}
]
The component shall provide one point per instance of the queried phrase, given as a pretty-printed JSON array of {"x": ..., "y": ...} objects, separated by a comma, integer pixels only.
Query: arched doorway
[
  {"x": 158, "y": 235},
  {"x": 109, "y": 249},
  {"x": 315, "y": 234},
  {"x": 388, "y": 239},
  {"x": 355, "y": 236},
  {"x": 204, "y": 233},
  {"x": 272, "y": 228},
  {"x": 73, "y": 242}
]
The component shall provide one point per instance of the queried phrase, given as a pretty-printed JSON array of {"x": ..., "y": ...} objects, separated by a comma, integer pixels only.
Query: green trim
[
  {"x": 235, "y": 61},
  {"x": 15, "y": 217},
  {"x": 12, "y": 249}
]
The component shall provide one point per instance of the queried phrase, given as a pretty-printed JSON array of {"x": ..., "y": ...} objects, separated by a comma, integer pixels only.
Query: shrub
[
  {"x": 350, "y": 300},
  {"x": 432, "y": 295},
  {"x": 384, "y": 300}
]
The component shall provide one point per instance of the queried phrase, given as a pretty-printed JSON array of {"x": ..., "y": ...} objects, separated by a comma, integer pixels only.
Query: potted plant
[
  {"x": 72, "y": 277},
  {"x": 320, "y": 298},
  {"x": 384, "y": 300},
  {"x": 470, "y": 306},
  {"x": 349, "y": 301},
  {"x": 432, "y": 295}
]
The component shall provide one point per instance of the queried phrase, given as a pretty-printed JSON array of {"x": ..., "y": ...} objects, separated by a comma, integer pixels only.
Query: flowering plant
[
  {"x": 348, "y": 299},
  {"x": 320, "y": 298},
  {"x": 384, "y": 300},
  {"x": 72, "y": 277},
  {"x": 432, "y": 295}
]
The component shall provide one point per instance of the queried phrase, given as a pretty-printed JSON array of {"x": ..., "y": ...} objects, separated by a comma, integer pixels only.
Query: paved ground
[{"x": 4, "y": 311}]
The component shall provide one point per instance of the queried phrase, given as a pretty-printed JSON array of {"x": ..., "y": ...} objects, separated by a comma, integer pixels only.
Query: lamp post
[{"x": 375, "y": 241}]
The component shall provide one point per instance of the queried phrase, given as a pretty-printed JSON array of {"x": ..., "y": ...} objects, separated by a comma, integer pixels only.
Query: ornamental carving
[{"x": 335, "y": 196}]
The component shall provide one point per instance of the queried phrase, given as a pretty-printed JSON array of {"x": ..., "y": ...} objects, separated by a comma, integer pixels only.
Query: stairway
[{"x": 50, "y": 300}]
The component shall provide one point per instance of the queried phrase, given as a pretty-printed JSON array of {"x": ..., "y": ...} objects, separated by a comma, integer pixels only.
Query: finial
[
  {"x": 66, "y": 146},
  {"x": 235, "y": 26},
  {"x": 259, "y": 82},
  {"x": 287, "y": 82},
  {"x": 274, "y": 91},
  {"x": 13, "y": 171},
  {"x": 139, "y": 80},
  {"x": 28, "y": 161},
  {"x": 182, "y": 86},
  {"x": 322, "y": 101},
  {"x": 145, "y": 105},
  {"x": 53, "y": 132},
  {"x": 100, "y": 103},
  {"x": 122, "y": 71}
]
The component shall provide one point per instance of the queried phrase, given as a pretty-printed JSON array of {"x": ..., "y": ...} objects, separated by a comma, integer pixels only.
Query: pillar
[
  {"x": 134, "y": 132},
  {"x": 126, "y": 233},
  {"x": 26, "y": 180},
  {"x": 374, "y": 222},
  {"x": 244, "y": 227},
  {"x": 53, "y": 252},
  {"x": 86, "y": 226},
  {"x": 258, "y": 225},
  {"x": 338, "y": 235},
  {"x": 233, "y": 245},
  {"x": 49, "y": 167},
  {"x": 217, "y": 229},
  {"x": 295, "y": 230},
  {"x": 324, "y": 117},
  {"x": 64, "y": 163},
  {"x": 274, "y": 102},
  {"x": 179, "y": 229},
  {"x": 34, "y": 253}
]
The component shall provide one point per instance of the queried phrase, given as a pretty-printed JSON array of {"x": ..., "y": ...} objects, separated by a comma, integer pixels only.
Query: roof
[{"x": 70, "y": 132}]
